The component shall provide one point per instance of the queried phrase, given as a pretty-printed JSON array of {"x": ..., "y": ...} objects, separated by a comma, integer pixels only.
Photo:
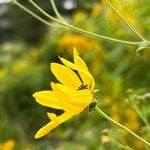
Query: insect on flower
[{"x": 73, "y": 94}]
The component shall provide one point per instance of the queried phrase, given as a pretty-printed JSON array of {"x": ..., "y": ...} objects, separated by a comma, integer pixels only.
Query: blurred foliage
[{"x": 24, "y": 69}]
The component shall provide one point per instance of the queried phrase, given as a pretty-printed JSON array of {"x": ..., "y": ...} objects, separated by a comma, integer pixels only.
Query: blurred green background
[{"x": 27, "y": 47}]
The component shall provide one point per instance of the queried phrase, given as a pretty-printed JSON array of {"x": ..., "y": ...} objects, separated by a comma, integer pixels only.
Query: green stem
[
  {"x": 36, "y": 16},
  {"x": 56, "y": 11},
  {"x": 84, "y": 31},
  {"x": 100, "y": 112},
  {"x": 128, "y": 25}
]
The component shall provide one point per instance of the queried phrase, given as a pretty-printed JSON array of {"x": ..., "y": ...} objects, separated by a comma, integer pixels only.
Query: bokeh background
[{"x": 27, "y": 47}]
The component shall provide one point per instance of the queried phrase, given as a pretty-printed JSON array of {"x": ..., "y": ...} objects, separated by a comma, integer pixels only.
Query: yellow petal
[
  {"x": 85, "y": 75},
  {"x": 47, "y": 98},
  {"x": 47, "y": 128},
  {"x": 73, "y": 66},
  {"x": 86, "y": 78},
  {"x": 52, "y": 116},
  {"x": 63, "y": 93},
  {"x": 81, "y": 98},
  {"x": 78, "y": 61},
  {"x": 65, "y": 75},
  {"x": 53, "y": 124},
  {"x": 75, "y": 52}
]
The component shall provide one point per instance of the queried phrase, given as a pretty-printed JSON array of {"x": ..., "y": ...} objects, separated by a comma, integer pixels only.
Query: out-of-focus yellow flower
[
  {"x": 116, "y": 117},
  {"x": 9, "y": 145},
  {"x": 131, "y": 114},
  {"x": 2, "y": 72},
  {"x": 96, "y": 9},
  {"x": 128, "y": 15},
  {"x": 123, "y": 8},
  {"x": 82, "y": 43},
  {"x": 79, "y": 16},
  {"x": 20, "y": 66},
  {"x": 115, "y": 1},
  {"x": 120, "y": 32},
  {"x": 138, "y": 145},
  {"x": 132, "y": 119},
  {"x": 73, "y": 95},
  {"x": 115, "y": 108},
  {"x": 133, "y": 125},
  {"x": 107, "y": 101},
  {"x": 97, "y": 59}
]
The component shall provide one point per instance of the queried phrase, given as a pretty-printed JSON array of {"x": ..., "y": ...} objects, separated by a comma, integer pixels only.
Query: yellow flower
[
  {"x": 73, "y": 94},
  {"x": 9, "y": 145},
  {"x": 79, "y": 16},
  {"x": 107, "y": 101},
  {"x": 66, "y": 42},
  {"x": 96, "y": 9},
  {"x": 116, "y": 117}
]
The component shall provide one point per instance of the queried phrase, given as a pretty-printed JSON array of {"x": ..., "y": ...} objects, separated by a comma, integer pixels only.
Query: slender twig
[
  {"x": 43, "y": 12},
  {"x": 84, "y": 31},
  {"x": 56, "y": 10},
  {"x": 127, "y": 24},
  {"x": 73, "y": 28},
  {"x": 100, "y": 112},
  {"x": 36, "y": 16}
]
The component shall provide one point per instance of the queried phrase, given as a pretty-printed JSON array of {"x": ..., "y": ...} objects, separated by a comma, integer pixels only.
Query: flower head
[{"x": 73, "y": 94}]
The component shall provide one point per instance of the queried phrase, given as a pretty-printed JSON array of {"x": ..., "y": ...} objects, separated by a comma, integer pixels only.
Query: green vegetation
[{"x": 122, "y": 77}]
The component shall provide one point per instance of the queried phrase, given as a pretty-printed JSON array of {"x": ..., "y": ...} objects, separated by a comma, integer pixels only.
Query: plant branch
[
  {"x": 100, "y": 112},
  {"x": 127, "y": 24},
  {"x": 84, "y": 31},
  {"x": 35, "y": 16},
  {"x": 56, "y": 11}
]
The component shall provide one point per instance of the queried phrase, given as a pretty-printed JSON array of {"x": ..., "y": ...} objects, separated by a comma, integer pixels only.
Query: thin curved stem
[
  {"x": 100, "y": 112},
  {"x": 44, "y": 13},
  {"x": 84, "y": 31},
  {"x": 36, "y": 16},
  {"x": 127, "y": 24},
  {"x": 56, "y": 11}
]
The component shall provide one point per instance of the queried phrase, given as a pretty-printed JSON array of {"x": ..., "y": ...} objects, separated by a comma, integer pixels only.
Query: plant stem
[
  {"x": 129, "y": 26},
  {"x": 36, "y": 16},
  {"x": 83, "y": 31},
  {"x": 100, "y": 112},
  {"x": 56, "y": 10}
]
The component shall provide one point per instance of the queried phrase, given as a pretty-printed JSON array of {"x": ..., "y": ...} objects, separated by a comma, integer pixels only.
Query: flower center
[{"x": 83, "y": 87}]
